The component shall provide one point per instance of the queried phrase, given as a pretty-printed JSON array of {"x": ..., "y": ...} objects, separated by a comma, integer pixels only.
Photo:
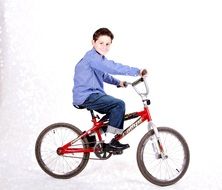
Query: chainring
[{"x": 100, "y": 152}]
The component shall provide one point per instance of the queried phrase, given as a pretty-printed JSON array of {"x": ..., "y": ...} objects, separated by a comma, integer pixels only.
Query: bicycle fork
[{"x": 156, "y": 142}]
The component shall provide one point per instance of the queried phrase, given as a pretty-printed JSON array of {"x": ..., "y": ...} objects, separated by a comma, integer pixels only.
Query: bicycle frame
[
  {"x": 143, "y": 115},
  {"x": 97, "y": 125}
]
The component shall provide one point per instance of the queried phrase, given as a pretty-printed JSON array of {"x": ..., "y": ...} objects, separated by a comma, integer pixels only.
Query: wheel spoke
[
  {"x": 49, "y": 141},
  {"x": 164, "y": 169}
]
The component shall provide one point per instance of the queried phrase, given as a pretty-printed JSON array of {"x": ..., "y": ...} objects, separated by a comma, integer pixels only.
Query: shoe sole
[{"x": 111, "y": 148}]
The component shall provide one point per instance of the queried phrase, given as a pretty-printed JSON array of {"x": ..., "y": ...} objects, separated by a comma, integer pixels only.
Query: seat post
[{"x": 92, "y": 114}]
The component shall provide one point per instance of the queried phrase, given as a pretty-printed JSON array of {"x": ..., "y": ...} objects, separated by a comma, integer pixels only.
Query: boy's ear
[{"x": 93, "y": 41}]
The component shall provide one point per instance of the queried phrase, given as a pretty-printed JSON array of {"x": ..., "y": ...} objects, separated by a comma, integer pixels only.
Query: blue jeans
[{"x": 114, "y": 108}]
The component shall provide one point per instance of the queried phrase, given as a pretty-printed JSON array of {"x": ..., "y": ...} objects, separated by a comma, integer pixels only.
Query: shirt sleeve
[
  {"x": 110, "y": 79},
  {"x": 101, "y": 63}
]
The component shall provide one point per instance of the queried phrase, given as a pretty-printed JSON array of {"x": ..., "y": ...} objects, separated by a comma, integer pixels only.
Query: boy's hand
[
  {"x": 122, "y": 84},
  {"x": 143, "y": 72}
]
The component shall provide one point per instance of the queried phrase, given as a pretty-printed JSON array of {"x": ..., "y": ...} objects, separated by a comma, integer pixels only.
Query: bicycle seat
[
  {"x": 79, "y": 107},
  {"x": 91, "y": 112}
]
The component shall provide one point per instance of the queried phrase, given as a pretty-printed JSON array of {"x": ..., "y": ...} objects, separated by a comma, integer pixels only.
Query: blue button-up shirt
[{"x": 94, "y": 69}]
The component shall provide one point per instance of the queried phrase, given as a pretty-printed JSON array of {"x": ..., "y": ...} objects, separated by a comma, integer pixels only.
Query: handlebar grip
[{"x": 138, "y": 81}]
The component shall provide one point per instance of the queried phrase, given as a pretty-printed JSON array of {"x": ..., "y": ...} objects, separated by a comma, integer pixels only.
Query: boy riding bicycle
[{"x": 88, "y": 92}]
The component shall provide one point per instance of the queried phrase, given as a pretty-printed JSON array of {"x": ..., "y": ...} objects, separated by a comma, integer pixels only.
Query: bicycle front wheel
[
  {"x": 60, "y": 166},
  {"x": 167, "y": 169}
]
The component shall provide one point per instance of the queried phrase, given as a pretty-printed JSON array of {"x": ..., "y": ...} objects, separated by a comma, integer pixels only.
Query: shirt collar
[{"x": 93, "y": 49}]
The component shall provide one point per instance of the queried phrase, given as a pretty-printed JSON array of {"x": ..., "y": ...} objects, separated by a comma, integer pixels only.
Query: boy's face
[{"x": 102, "y": 44}]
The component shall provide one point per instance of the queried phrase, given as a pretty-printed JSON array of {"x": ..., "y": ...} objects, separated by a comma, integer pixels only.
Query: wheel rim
[
  {"x": 51, "y": 160},
  {"x": 168, "y": 167}
]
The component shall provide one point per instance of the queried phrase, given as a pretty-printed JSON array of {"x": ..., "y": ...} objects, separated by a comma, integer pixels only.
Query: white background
[{"x": 179, "y": 42}]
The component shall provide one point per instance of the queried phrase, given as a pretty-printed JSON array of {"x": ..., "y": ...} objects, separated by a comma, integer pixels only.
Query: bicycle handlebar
[
  {"x": 135, "y": 83},
  {"x": 143, "y": 73}
]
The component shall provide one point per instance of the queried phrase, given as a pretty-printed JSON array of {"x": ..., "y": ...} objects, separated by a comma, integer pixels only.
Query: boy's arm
[
  {"x": 108, "y": 66},
  {"x": 110, "y": 79}
]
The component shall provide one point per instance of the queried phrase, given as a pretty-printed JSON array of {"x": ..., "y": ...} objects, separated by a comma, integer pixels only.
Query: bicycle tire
[
  {"x": 147, "y": 169},
  {"x": 46, "y": 154}
]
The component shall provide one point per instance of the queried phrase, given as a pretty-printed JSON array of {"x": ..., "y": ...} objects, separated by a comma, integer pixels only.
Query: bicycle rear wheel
[
  {"x": 60, "y": 166},
  {"x": 163, "y": 170}
]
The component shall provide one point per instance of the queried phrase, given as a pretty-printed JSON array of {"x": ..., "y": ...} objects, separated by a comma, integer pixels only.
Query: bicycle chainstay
[{"x": 101, "y": 152}]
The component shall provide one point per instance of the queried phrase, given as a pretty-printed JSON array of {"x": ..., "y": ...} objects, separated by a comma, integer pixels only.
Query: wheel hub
[{"x": 60, "y": 151}]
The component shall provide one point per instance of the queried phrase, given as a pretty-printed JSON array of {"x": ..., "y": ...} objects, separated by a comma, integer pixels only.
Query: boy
[{"x": 90, "y": 73}]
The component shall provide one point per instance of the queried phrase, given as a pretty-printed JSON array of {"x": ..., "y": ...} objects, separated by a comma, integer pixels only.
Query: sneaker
[
  {"x": 92, "y": 140},
  {"x": 115, "y": 144}
]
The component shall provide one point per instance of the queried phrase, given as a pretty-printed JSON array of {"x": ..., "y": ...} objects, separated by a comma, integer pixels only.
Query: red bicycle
[{"x": 63, "y": 150}]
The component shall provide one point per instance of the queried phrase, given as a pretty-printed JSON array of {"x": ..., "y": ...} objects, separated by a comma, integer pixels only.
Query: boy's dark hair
[{"x": 102, "y": 32}]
